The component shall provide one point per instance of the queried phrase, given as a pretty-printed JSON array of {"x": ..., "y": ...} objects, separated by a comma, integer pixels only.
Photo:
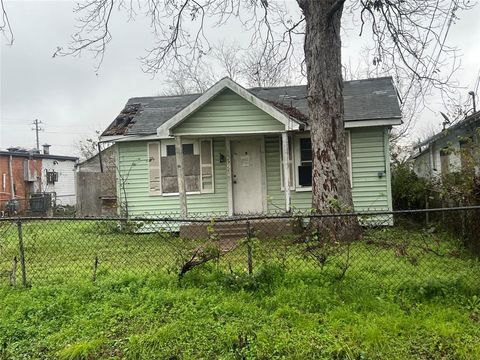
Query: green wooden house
[{"x": 233, "y": 150}]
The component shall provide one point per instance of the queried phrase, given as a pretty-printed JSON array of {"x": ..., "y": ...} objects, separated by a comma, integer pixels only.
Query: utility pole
[{"x": 37, "y": 128}]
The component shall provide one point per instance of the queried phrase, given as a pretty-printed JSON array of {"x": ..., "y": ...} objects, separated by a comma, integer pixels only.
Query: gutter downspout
[{"x": 10, "y": 171}]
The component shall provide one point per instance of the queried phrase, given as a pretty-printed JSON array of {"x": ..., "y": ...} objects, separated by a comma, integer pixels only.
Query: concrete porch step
[{"x": 262, "y": 228}]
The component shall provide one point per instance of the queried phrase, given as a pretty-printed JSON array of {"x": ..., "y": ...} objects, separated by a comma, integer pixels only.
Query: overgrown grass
[
  {"x": 62, "y": 251},
  {"x": 210, "y": 314},
  {"x": 406, "y": 294}
]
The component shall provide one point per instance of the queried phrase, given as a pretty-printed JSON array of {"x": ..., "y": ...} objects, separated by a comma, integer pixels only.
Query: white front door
[{"x": 247, "y": 176}]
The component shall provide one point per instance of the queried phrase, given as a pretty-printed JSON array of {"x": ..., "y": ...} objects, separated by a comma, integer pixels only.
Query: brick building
[{"x": 23, "y": 173}]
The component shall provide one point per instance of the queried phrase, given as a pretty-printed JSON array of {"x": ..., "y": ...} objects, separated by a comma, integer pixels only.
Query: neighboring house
[
  {"x": 96, "y": 184},
  {"x": 24, "y": 173},
  {"x": 232, "y": 141},
  {"x": 445, "y": 152}
]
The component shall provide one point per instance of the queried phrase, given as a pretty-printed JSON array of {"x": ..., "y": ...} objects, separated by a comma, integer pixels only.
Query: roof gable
[
  {"x": 226, "y": 83},
  {"x": 227, "y": 113}
]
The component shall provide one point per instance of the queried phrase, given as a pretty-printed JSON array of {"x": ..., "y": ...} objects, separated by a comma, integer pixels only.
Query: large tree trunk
[{"x": 330, "y": 184}]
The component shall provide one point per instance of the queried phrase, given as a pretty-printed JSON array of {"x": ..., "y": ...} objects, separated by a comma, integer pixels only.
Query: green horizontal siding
[
  {"x": 369, "y": 157},
  {"x": 228, "y": 113},
  {"x": 275, "y": 196},
  {"x": 133, "y": 166},
  {"x": 369, "y": 151},
  {"x": 369, "y": 154}
]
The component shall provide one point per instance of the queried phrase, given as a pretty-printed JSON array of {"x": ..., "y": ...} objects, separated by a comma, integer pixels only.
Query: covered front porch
[
  {"x": 242, "y": 161},
  {"x": 230, "y": 112}
]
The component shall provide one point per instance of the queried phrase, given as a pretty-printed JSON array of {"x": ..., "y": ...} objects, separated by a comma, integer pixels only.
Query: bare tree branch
[{"x": 5, "y": 27}]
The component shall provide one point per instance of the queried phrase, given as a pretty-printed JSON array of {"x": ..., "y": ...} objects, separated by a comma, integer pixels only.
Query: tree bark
[{"x": 331, "y": 189}]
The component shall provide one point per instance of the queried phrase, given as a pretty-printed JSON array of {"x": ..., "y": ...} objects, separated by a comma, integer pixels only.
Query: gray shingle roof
[{"x": 368, "y": 99}]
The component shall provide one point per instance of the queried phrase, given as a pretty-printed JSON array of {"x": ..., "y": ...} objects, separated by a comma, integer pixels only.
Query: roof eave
[{"x": 465, "y": 122}]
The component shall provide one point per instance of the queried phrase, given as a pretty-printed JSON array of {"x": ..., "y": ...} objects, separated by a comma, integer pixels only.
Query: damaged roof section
[
  {"x": 124, "y": 120},
  {"x": 368, "y": 99},
  {"x": 289, "y": 110}
]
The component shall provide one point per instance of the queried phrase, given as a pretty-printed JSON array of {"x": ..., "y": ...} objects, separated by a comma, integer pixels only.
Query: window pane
[
  {"x": 305, "y": 175},
  {"x": 187, "y": 149},
  {"x": 305, "y": 149},
  {"x": 171, "y": 150}
]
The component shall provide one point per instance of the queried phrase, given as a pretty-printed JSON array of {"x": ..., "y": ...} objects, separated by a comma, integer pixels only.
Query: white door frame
[{"x": 263, "y": 170}]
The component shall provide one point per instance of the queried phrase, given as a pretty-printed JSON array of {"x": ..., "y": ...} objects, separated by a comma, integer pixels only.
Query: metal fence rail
[{"x": 396, "y": 247}]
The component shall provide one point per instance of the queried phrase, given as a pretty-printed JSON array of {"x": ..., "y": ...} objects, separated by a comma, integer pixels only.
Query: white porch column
[
  {"x": 182, "y": 194},
  {"x": 286, "y": 170}
]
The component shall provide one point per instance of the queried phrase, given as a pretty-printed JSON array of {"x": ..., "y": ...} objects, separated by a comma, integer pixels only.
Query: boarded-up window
[
  {"x": 187, "y": 149},
  {"x": 197, "y": 167},
  {"x": 154, "y": 167},
  {"x": 191, "y": 169},
  {"x": 445, "y": 160}
]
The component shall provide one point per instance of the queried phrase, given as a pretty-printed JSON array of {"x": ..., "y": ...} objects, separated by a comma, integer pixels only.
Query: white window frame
[
  {"x": 296, "y": 158},
  {"x": 291, "y": 163},
  {"x": 348, "y": 140},
  {"x": 159, "y": 192}
]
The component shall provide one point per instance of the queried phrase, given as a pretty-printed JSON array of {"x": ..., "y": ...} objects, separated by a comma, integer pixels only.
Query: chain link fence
[{"x": 395, "y": 248}]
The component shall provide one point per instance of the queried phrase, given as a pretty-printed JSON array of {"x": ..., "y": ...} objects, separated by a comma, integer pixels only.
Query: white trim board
[
  {"x": 226, "y": 83},
  {"x": 368, "y": 123}
]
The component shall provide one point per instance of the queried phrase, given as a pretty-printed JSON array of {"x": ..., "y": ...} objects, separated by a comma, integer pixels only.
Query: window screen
[
  {"x": 171, "y": 150},
  {"x": 187, "y": 149}
]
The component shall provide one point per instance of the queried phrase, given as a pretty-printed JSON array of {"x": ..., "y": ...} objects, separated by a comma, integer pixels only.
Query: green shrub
[{"x": 408, "y": 190}]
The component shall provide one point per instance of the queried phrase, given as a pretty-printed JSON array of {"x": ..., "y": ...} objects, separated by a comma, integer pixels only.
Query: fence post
[
  {"x": 95, "y": 267},
  {"x": 249, "y": 249},
  {"x": 21, "y": 250}
]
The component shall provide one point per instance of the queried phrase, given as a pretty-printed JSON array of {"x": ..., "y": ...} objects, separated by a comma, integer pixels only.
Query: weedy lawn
[{"x": 415, "y": 299}]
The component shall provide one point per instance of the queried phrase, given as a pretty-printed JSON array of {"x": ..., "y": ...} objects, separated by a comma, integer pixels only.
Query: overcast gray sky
[{"x": 73, "y": 101}]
